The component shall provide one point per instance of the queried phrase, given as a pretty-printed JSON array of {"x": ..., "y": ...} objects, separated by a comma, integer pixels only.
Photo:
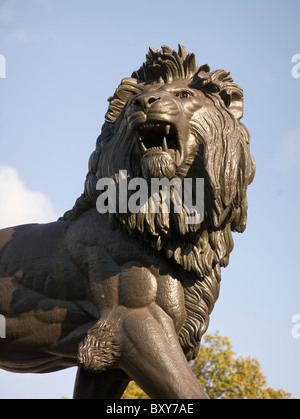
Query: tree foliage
[{"x": 223, "y": 375}]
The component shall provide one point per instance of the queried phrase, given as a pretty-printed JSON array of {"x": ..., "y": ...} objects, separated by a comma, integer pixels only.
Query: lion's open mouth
[{"x": 159, "y": 137}]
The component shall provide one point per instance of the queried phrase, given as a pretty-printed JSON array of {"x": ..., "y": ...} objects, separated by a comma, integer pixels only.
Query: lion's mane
[{"x": 223, "y": 160}]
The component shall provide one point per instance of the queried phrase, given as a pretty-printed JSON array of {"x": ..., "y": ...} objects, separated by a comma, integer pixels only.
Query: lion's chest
[
  {"x": 134, "y": 285},
  {"x": 124, "y": 272}
]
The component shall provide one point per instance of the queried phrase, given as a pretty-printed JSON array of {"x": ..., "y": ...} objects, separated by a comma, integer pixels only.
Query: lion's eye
[{"x": 183, "y": 94}]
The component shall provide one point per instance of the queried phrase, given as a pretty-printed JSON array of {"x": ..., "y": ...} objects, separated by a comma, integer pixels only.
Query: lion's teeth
[
  {"x": 177, "y": 157},
  {"x": 165, "y": 145},
  {"x": 167, "y": 129},
  {"x": 144, "y": 149}
]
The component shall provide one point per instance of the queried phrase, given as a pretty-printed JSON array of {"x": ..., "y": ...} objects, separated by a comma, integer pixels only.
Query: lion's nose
[{"x": 145, "y": 102}]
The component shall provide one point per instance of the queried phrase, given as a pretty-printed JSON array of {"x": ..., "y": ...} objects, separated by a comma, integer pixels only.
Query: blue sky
[{"x": 64, "y": 58}]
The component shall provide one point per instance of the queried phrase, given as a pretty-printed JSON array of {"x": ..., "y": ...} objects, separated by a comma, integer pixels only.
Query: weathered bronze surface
[{"x": 123, "y": 295}]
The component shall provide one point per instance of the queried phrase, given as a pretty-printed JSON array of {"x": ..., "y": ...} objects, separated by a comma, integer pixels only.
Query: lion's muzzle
[{"x": 161, "y": 132}]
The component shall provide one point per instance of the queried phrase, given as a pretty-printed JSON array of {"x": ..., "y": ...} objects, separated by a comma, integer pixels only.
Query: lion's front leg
[
  {"x": 144, "y": 344},
  {"x": 153, "y": 358}
]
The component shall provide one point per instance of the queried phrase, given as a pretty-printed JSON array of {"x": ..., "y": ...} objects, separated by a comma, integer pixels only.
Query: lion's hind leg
[{"x": 105, "y": 385}]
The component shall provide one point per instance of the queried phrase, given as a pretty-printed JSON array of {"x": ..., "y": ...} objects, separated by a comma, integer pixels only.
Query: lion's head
[
  {"x": 172, "y": 118},
  {"x": 161, "y": 119}
]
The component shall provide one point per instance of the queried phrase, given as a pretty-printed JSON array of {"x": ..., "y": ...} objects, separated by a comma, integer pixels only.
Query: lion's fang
[
  {"x": 144, "y": 149},
  {"x": 167, "y": 129},
  {"x": 165, "y": 145},
  {"x": 177, "y": 158}
]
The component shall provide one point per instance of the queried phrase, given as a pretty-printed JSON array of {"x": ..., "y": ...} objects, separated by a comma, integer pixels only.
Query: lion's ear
[{"x": 233, "y": 99}]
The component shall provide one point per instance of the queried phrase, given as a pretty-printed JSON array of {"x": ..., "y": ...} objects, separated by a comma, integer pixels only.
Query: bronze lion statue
[{"x": 127, "y": 295}]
